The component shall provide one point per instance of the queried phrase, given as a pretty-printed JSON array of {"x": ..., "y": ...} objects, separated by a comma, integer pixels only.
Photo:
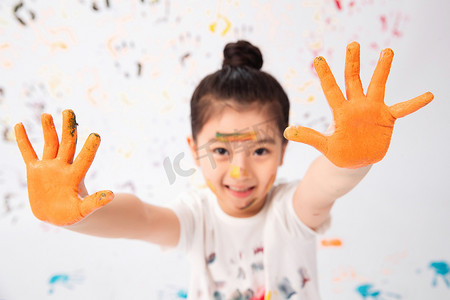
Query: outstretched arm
[
  {"x": 322, "y": 184},
  {"x": 128, "y": 217},
  {"x": 58, "y": 196},
  {"x": 363, "y": 126}
]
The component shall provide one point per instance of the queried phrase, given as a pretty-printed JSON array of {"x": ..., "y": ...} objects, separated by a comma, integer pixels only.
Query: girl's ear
[
  {"x": 283, "y": 151},
  {"x": 193, "y": 147}
]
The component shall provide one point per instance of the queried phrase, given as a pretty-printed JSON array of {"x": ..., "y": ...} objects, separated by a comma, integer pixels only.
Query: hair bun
[{"x": 241, "y": 54}]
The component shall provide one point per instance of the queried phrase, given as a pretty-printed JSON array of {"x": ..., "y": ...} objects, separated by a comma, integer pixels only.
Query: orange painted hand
[
  {"x": 363, "y": 124},
  {"x": 55, "y": 183}
]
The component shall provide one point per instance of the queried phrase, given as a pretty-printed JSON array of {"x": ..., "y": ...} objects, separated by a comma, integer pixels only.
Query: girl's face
[{"x": 239, "y": 153}]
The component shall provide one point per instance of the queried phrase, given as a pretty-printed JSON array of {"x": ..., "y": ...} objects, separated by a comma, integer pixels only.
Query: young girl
[{"x": 244, "y": 238}]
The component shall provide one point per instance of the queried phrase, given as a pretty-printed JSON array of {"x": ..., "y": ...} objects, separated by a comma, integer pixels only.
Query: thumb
[
  {"x": 95, "y": 201},
  {"x": 307, "y": 136},
  {"x": 405, "y": 108}
]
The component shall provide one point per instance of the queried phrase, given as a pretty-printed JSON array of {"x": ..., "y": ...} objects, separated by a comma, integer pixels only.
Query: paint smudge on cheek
[
  {"x": 253, "y": 201},
  {"x": 271, "y": 182},
  {"x": 211, "y": 187}
]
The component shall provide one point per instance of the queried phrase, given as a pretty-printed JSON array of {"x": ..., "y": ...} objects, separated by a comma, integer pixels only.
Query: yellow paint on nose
[{"x": 235, "y": 172}]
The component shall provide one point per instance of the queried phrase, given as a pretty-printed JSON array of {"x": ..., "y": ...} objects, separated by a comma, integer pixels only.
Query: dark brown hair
[{"x": 240, "y": 82}]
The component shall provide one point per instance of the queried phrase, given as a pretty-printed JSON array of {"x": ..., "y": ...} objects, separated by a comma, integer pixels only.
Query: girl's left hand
[{"x": 363, "y": 124}]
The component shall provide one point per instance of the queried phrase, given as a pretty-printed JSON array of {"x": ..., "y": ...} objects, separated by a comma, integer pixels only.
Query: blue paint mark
[
  {"x": 441, "y": 270},
  {"x": 182, "y": 294},
  {"x": 59, "y": 278},
  {"x": 257, "y": 267},
  {"x": 286, "y": 289},
  {"x": 367, "y": 290},
  {"x": 172, "y": 292},
  {"x": 63, "y": 279},
  {"x": 211, "y": 258},
  {"x": 238, "y": 295},
  {"x": 218, "y": 296}
]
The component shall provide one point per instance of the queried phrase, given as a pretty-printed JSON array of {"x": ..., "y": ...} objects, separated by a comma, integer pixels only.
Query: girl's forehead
[
  {"x": 230, "y": 120},
  {"x": 241, "y": 124},
  {"x": 263, "y": 132},
  {"x": 244, "y": 129}
]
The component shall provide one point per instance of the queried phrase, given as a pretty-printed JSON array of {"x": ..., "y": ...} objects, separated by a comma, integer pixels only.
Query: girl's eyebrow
[
  {"x": 265, "y": 141},
  {"x": 242, "y": 137},
  {"x": 237, "y": 136}
]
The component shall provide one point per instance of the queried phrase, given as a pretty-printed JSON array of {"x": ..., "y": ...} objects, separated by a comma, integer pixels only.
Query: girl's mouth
[{"x": 239, "y": 192}]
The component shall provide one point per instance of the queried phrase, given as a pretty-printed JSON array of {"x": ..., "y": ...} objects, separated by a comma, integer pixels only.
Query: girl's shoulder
[
  {"x": 197, "y": 201},
  {"x": 282, "y": 190}
]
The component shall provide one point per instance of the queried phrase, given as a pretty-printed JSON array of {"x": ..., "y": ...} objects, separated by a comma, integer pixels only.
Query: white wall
[{"x": 393, "y": 226}]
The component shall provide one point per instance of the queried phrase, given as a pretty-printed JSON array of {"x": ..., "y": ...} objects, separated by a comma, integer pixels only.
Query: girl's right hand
[{"x": 55, "y": 183}]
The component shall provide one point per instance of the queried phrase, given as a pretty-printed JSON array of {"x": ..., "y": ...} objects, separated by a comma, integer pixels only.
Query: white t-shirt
[{"x": 247, "y": 258}]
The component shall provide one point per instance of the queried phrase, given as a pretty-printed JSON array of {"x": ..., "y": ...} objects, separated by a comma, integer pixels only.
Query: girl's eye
[
  {"x": 221, "y": 151},
  {"x": 261, "y": 151}
]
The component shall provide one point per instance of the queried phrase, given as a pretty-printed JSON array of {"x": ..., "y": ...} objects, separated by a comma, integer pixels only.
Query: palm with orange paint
[
  {"x": 55, "y": 183},
  {"x": 363, "y": 124}
]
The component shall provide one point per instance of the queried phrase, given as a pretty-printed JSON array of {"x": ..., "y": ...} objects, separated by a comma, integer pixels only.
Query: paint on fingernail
[{"x": 72, "y": 125}]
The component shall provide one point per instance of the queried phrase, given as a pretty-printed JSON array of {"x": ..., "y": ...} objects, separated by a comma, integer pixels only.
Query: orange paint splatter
[{"x": 331, "y": 243}]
